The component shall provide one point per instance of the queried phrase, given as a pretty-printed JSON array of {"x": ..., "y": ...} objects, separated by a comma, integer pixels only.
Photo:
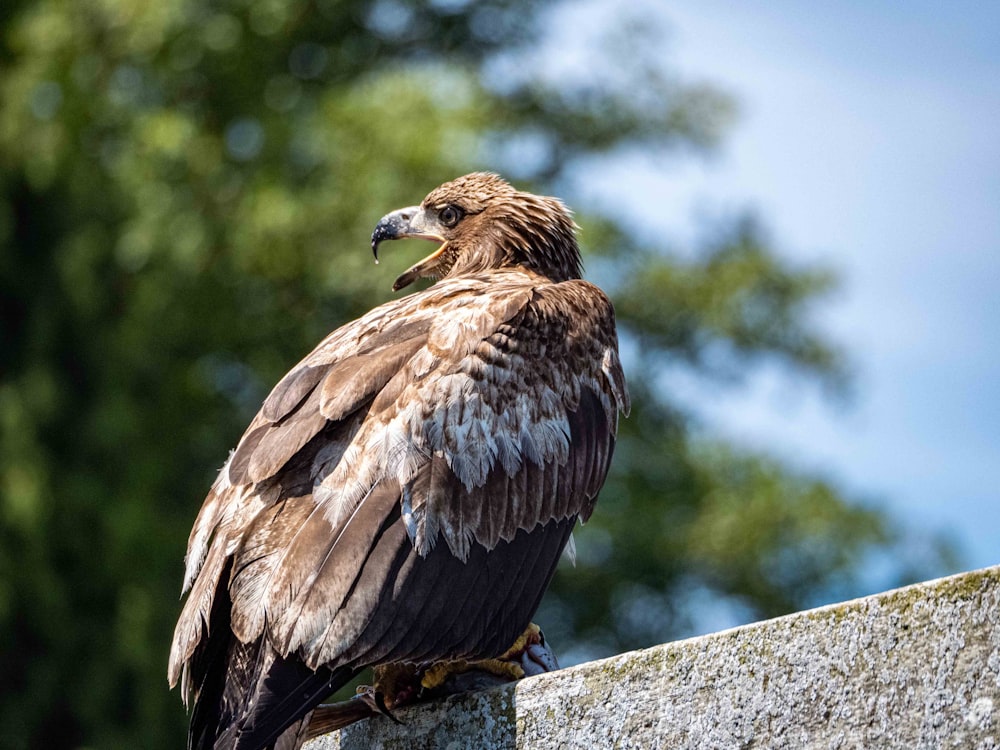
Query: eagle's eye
[{"x": 450, "y": 216}]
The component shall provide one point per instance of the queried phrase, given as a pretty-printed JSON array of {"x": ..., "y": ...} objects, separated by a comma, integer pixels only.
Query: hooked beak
[{"x": 408, "y": 223}]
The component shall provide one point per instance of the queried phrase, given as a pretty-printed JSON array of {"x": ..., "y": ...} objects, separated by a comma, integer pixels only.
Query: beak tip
[{"x": 393, "y": 226}]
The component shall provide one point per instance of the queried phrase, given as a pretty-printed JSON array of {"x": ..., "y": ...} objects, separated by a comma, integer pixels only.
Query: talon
[{"x": 375, "y": 700}]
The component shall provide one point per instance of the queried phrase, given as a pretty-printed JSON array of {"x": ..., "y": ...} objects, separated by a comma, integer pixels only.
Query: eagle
[{"x": 404, "y": 493}]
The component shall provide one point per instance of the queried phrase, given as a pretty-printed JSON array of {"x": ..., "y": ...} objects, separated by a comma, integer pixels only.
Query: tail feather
[
  {"x": 285, "y": 700},
  {"x": 246, "y": 696}
]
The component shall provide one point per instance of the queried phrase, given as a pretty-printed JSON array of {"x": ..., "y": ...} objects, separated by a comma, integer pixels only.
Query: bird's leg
[
  {"x": 396, "y": 685},
  {"x": 528, "y": 655}
]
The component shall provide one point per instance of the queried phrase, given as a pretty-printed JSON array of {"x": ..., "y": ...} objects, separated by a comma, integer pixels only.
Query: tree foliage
[{"x": 186, "y": 193}]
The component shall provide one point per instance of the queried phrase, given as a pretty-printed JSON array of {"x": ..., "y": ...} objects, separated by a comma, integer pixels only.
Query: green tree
[{"x": 186, "y": 193}]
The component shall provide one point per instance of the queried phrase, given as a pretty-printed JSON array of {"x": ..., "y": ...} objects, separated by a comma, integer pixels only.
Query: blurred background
[{"x": 795, "y": 211}]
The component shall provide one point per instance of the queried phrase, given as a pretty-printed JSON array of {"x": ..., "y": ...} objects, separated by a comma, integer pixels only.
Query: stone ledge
[{"x": 918, "y": 667}]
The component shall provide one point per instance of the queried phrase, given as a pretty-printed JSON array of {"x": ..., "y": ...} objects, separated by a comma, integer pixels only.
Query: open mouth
[{"x": 417, "y": 270}]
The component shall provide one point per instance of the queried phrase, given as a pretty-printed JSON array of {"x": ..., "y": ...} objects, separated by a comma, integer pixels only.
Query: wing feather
[
  {"x": 264, "y": 547},
  {"x": 354, "y": 381},
  {"x": 283, "y": 440},
  {"x": 291, "y": 390},
  {"x": 321, "y": 567},
  {"x": 238, "y": 469},
  {"x": 194, "y": 618}
]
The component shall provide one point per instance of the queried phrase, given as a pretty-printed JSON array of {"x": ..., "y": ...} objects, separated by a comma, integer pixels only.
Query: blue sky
[{"x": 869, "y": 141}]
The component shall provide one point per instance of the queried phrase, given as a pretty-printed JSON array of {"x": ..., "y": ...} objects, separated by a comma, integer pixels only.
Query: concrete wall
[{"x": 918, "y": 667}]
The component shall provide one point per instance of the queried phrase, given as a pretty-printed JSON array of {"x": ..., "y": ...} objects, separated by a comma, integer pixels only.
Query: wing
[{"x": 406, "y": 490}]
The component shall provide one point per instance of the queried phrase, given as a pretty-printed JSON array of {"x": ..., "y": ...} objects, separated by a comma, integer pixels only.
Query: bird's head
[{"x": 482, "y": 224}]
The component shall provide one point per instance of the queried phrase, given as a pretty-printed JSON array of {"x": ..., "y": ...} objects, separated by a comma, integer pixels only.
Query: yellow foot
[
  {"x": 437, "y": 674},
  {"x": 396, "y": 685},
  {"x": 527, "y": 656},
  {"x": 531, "y": 636}
]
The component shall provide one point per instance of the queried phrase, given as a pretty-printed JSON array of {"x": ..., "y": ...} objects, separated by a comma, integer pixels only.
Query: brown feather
[
  {"x": 290, "y": 391},
  {"x": 265, "y": 544},
  {"x": 239, "y": 465},
  {"x": 320, "y": 568},
  {"x": 354, "y": 381},
  {"x": 284, "y": 439}
]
